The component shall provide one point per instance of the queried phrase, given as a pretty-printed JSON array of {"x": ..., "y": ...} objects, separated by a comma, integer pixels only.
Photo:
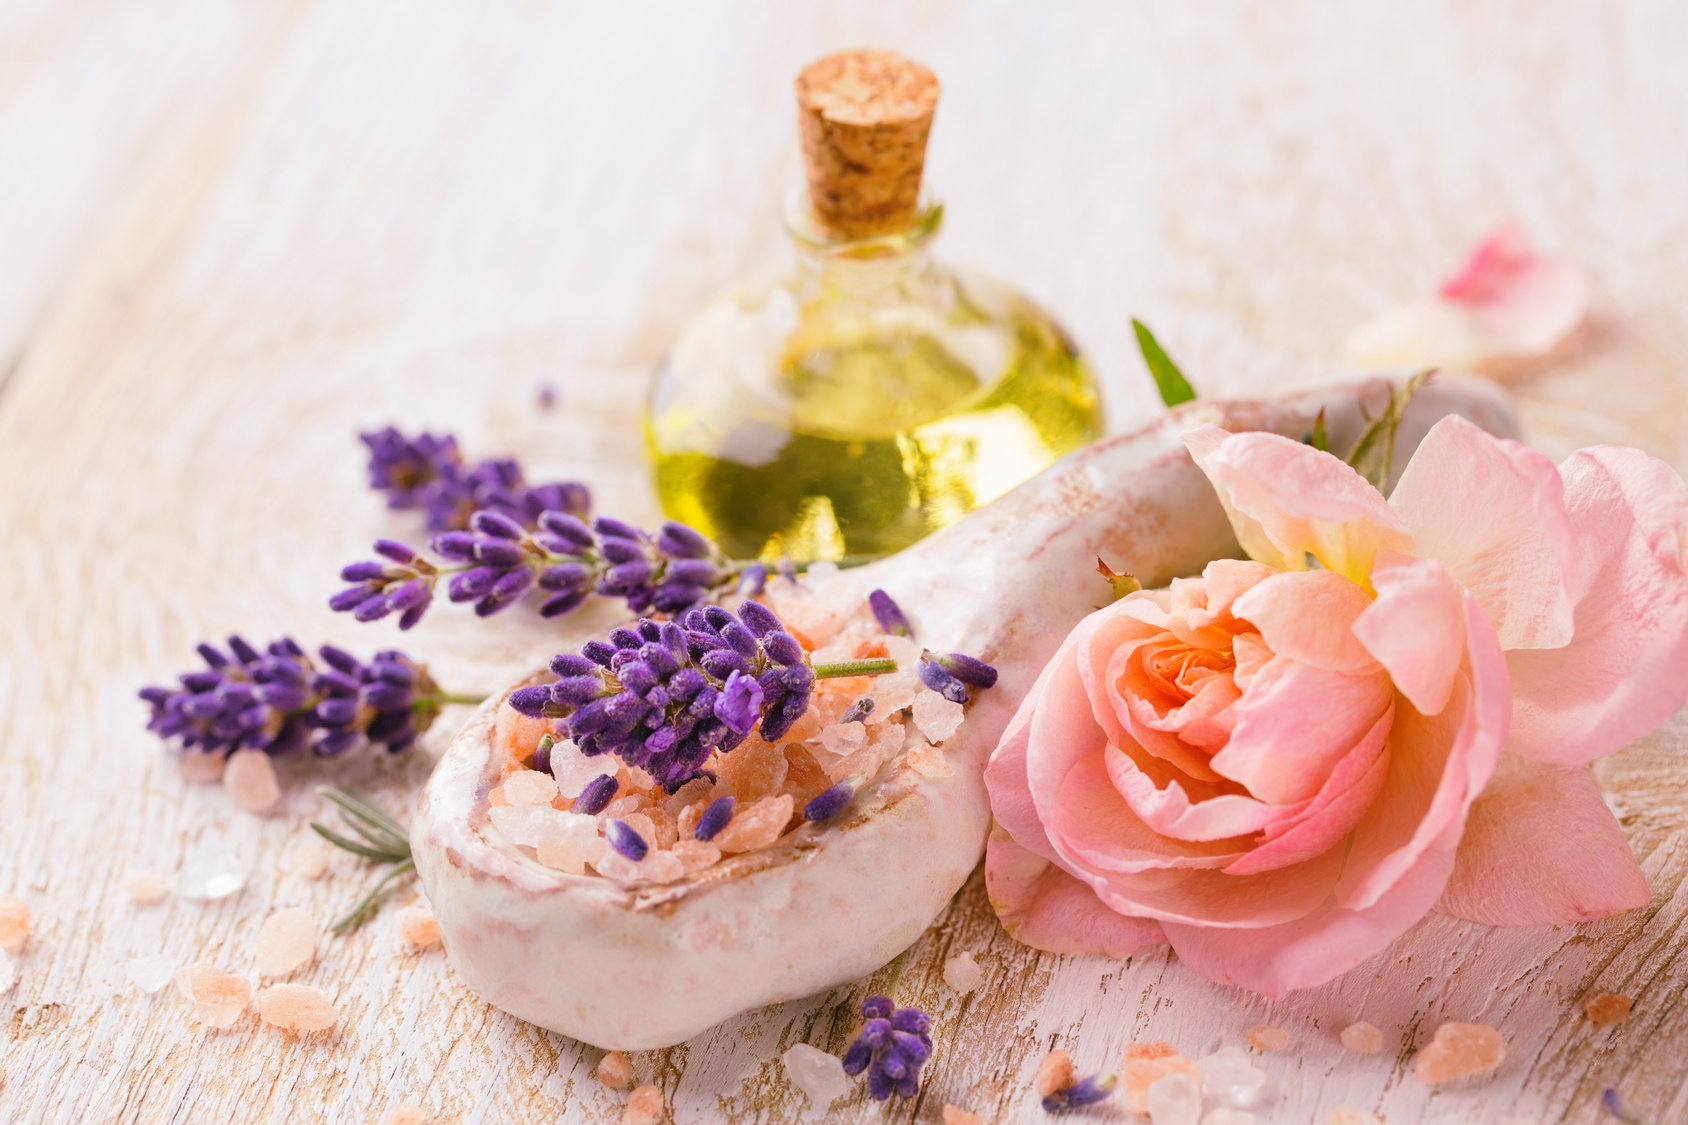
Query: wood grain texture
[{"x": 285, "y": 222}]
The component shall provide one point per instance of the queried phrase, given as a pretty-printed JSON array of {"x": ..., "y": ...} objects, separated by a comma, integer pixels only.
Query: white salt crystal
[
  {"x": 150, "y": 972},
  {"x": 845, "y": 738},
  {"x": 574, "y": 771},
  {"x": 212, "y": 870},
  {"x": 526, "y": 825},
  {"x": 529, "y": 787},
  {"x": 817, "y": 572},
  {"x": 1230, "y": 1079},
  {"x": 1225, "y": 1115},
  {"x": 614, "y": 865},
  {"x": 145, "y": 888},
  {"x": 7, "y": 976},
  {"x": 622, "y": 806},
  {"x": 308, "y": 859},
  {"x": 891, "y": 693},
  {"x": 1175, "y": 1100},
  {"x": 963, "y": 974},
  {"x": 936, "y": 716},
  {"x": 818, "y": 1074},
  {"x": 662, "y": 867}
]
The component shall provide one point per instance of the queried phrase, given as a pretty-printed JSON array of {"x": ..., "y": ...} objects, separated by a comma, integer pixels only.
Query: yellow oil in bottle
[{"x": 847, "y": 426}]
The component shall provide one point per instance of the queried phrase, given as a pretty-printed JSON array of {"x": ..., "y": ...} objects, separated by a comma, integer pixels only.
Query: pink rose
[{"x": 1280, "y": 766}]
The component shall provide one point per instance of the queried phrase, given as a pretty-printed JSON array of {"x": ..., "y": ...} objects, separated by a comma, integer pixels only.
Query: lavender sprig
[
  {"x": 279, "y": 700},
  {"x": 428, "y": 472},
  {"x": 893, "y": 1045},
  {"x": 1088, "y": 1091},
  {"x": 950, "y": 674}
]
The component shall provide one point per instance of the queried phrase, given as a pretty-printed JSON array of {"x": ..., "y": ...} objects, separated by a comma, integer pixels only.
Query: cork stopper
[{"x": 864, "y": 118}]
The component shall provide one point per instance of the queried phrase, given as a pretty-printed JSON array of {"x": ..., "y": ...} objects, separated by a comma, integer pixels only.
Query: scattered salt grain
[
  {"x": 218, "y": 998},
  {"x": 955, "y": 1115},
  {"x": 644, "y": 1107},
  {"x": 150, "y": 972},
  {"x": 14, "y": 923},
  {"x": 1225, "y": 1115},
  {"x": 145, "y": 888},
  {"x": 963, "y": 974},
  {"x": 1175, "y": 1100},
  {"x": 695, "y": 855},
  {"x": 417, "y": 927},
  {"x": 1607, "y": 1009},
  {"x": 622, "y": 806},
  {"x": 1053, "y": 1073},
  {"x": 936, "y": 716},
  {"x": 1147, "y": 1063},
  {"x": 1265, "y": 1038},
  {"x": 286, "y": 940},
  {"x": 530, "y": 787},
  {"x": 201, "y": 769},
  {"x": 7, "y": 975},
  {"x": 757, "y": 826},
  {"x": 297, "y": 1007},
  {"x": 526, "y": 825},
  {"x": 1348, "y": 1115},
  {"x": 928, "y": 761},
  {"x": 308, "y": 859},
  {"x": 405, "y": 1113},
  {"x": 250, "y": 781},
  {"x": 615, "y": 1071},
  {"x": 1460, "y": 1050},
  {"x": 845, "y": 738},
  {"x": 1362, "y": 1038},
  {"x": 213, "y": 869},
  {"x": 818, "y": 1074},
  {"x": 574, "y": 771},
  {"x": 1229, "y": 1078},
  {"x": 614, "y": 865}
]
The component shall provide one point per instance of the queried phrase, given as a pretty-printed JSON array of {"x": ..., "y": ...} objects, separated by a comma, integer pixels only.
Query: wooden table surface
[{"x": 233, "y": 232}]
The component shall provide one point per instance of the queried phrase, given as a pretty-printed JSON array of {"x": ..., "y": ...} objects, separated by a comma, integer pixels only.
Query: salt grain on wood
[
  {"x": 615, "y": 1071},
  {"x": 150, "y": 972},
  {"x": 936, "y": 716},
  {"x": 417, "y": 927},
  {"x": 1147, "y": 1063},
  {"x": 819, "y": 1074},
  {"x": 250, "y": 781},
  {"x": 1267, "y": 1038},
  {"x": 1362, "y": 1038},
  {"x": 1460, "y": 1050},
  {"x": 1607, "y": 1009},
  {"x": 644, "y": 1107},
  {"x": 955, "y": 1115},
  {"x": 962, "y": 973},
  {"x": 297, "y": 1007},
  {"x": 287, "y": 939},
  {"x": 1055, "y": 1072},
  {"x": 14, "y": 923},
  {"x": 145, "y": 888},
  {"x": 218, "y": 998}
]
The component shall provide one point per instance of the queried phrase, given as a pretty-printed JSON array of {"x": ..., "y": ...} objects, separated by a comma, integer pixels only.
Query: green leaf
[
  {"x": 1122, "y": 584},
  {"x": 1371, "y": 454},
  {"x": 360, "y": 913},
  {"x": 382, "y": 855},
  {"x": 1174, "y": 388},
  {"x": 1320, "y": 442}
]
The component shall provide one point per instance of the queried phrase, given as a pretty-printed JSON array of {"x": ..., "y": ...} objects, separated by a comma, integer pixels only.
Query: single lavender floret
[
  {"x": 1089, "y": 1091},
  {"x": 889, "y": 614},
  {"x": 753, "y": 579},
  {"x": 625, "y": 840},
  {"x": 857, "y": 711},
  {"x": 893, "y": 1045},
  {"x": 597, "y": 795},
  {"x": 934, "y": 676},
  {"x": 740, "y": 703},
  {"x": 969, "y": 670},
  {"x": 428, "y": 472},
  {"x": 716, "y": 817},
  {"x": 834, "y": 800}
]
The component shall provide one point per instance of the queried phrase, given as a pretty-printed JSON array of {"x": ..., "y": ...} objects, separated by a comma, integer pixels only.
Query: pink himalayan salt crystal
[
  {"x": 662, "y": 824},
  {"x": 753, "y": 771},
  {"x": 417, "y": 927},
  {"x": 686, "y": 821},
  {"x": 1460, "y": 1050},
  {"x": 962, "y": 973},
  {"x": 623, "y": 807},
  {"x": 1265, "y": 1038},
  {"x": 570, "y": 856},
  {"x": 148, "y": 972},
  {"x": 1147, "y": 1063},
  {"x": 757, "y": 826},
  {"x": 641, "y": 824},
  {"x": 218, "y": 998},
  {"x": 644, "y": 1107},
  {"x": 955, "y": 1115},
  {"x": 14, "y": 923},
  {"x": 286, "y": 940},
  {"x": 662, "y": 867},
  {"x": 615, "y": 866},
  {"x": 250, "y": 781},
  {"x": 699, "y": 790},
  {"x": 695, "y": 855},
  {"x": 1348, "y": 1115},
  {"x": 1362, "y": 1038},
  {"x": 201, "y": 769},
  {"x": 1607, "y": 1009},
  {"x": 7, "y": 974},
  {"x": 1054, "y": 1073},
  {"x": 844, "y": 739},
  {"x": 936, "y": 717},
  {"x": 405, "y": 1113},
  {"x": 928, "y": 761},
  {"x": 892, "y": 694},
  {"x": 297, "y": 1007},
  {"x": 517, "y": 735},
  {"x": 308, "y": 859},
  {"x": 615, "y": 1071},
  {"x": 530, "y": 787},
  {"x": 145, "y": 888},
  {"x": 804, "y": 777}
]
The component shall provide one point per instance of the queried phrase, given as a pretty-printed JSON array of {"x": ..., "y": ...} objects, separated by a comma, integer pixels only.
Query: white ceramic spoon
[{"x": 650, "y": 966}]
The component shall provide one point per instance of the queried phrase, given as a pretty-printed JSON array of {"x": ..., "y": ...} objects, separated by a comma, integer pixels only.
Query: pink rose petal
[
  {"x": 1046, "y": 908},
  {"x": 1526, "y": 303},
  {"x": 1416, "y": 628},
  {"x": 1308, "y": 616},
  {"x": 1542, "y": 849}
]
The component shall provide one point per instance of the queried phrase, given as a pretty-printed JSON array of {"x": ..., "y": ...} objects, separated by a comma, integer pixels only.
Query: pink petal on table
[
  {"x": 1309, "y": 616},
  {"x": 1542, "y": 849},
  {"x": 1626, "y": 668},
  {"x": 1046, "y": 908},
  {"x": 1527, "y": 302},
  {"x": 1416, "y": 628},
  {"x": 1301, "y": 500},
  {"x": 1493, "y": 512}
]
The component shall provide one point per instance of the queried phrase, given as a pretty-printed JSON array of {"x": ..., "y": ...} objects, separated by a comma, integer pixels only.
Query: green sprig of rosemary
[{"x": 381, "y": 839}]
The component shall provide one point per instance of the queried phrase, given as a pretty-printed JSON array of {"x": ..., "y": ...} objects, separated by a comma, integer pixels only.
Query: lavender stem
[{"x": 870, "y": 667}]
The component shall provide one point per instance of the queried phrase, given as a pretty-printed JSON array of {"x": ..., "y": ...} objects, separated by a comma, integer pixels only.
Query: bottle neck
[{"x": 821, "y": 249}]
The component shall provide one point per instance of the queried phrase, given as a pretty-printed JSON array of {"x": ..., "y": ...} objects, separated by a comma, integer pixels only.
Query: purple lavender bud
[
  {"x": 412, "y": 593},
  {"x": 834, "y": 800},
  {"x": 499, "y": 552},
  {"x": 889, "y": 614},
  {"x": 531, "y": 701},
  {"x": 622, "y": 550},
  {"x": 740, "y": 702},
  {"x": 626, "y": 638},
  {"x": 363, "y": 572},
  {"x": 473, "y": 583},
  {"x": 567, "y": 527},
  {"x": 598, "y": 653},
  {"x": 716, "y": 817},
  {"x": 672, "y": 597},
  {"x": 691, "y": 572},
  {"x": 723, "y": 662},
  {"x": 457, "y": 545},
  {"x": 615, "y": 529},
  {"x": 684, "y": 685},
  {"x": 878, "y": 1008},
  {"x": 798, "y": 678},
  {"x": 392, "y": 549},
  {"x": 337, "y": 743},
  {"x": 638, "y": 676},
  {"x": 348, "y": 599},
  {"x": 753, "y": 579},
  {"x": 782, "y": 648},
  {"x": 857, "y": 711},
  {"x": 660, "y": 659},
  {"x": 892, "y": 1063},
  {"x": 626, "y": 575},
  {"x": 558, "y": 604},
  {"x": 512, "y": 585},
  {"x": 758, "y": 618},
  {"x": 775, "y": 727},
  {"x": 565, "y": 576},
  {"x": 542, "y": 754},
  {"x": 497, "y": 525},
  {"x": 337, "y": 711},
  {"x": 597, "y": 795},
  {"x": 625, "y": 840},
  {"x": 679, "y": 541},
  {"x": 1088, "y": 1091},
  {"x": 933, "y": 676},
  {"x": 742, "y": 640},
  {"x": 568, "y": 664},
  {"x": 967, "y": 669},
  {"x": 911, "y": 1020},
  {"x": 386, "y": 697},
  {"x": 577, "y": 691},
  {"x": 372, "y": 608}
]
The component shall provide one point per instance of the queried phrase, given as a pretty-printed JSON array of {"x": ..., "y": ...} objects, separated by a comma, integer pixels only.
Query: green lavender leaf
[{"x": 1174, "y": 388}]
